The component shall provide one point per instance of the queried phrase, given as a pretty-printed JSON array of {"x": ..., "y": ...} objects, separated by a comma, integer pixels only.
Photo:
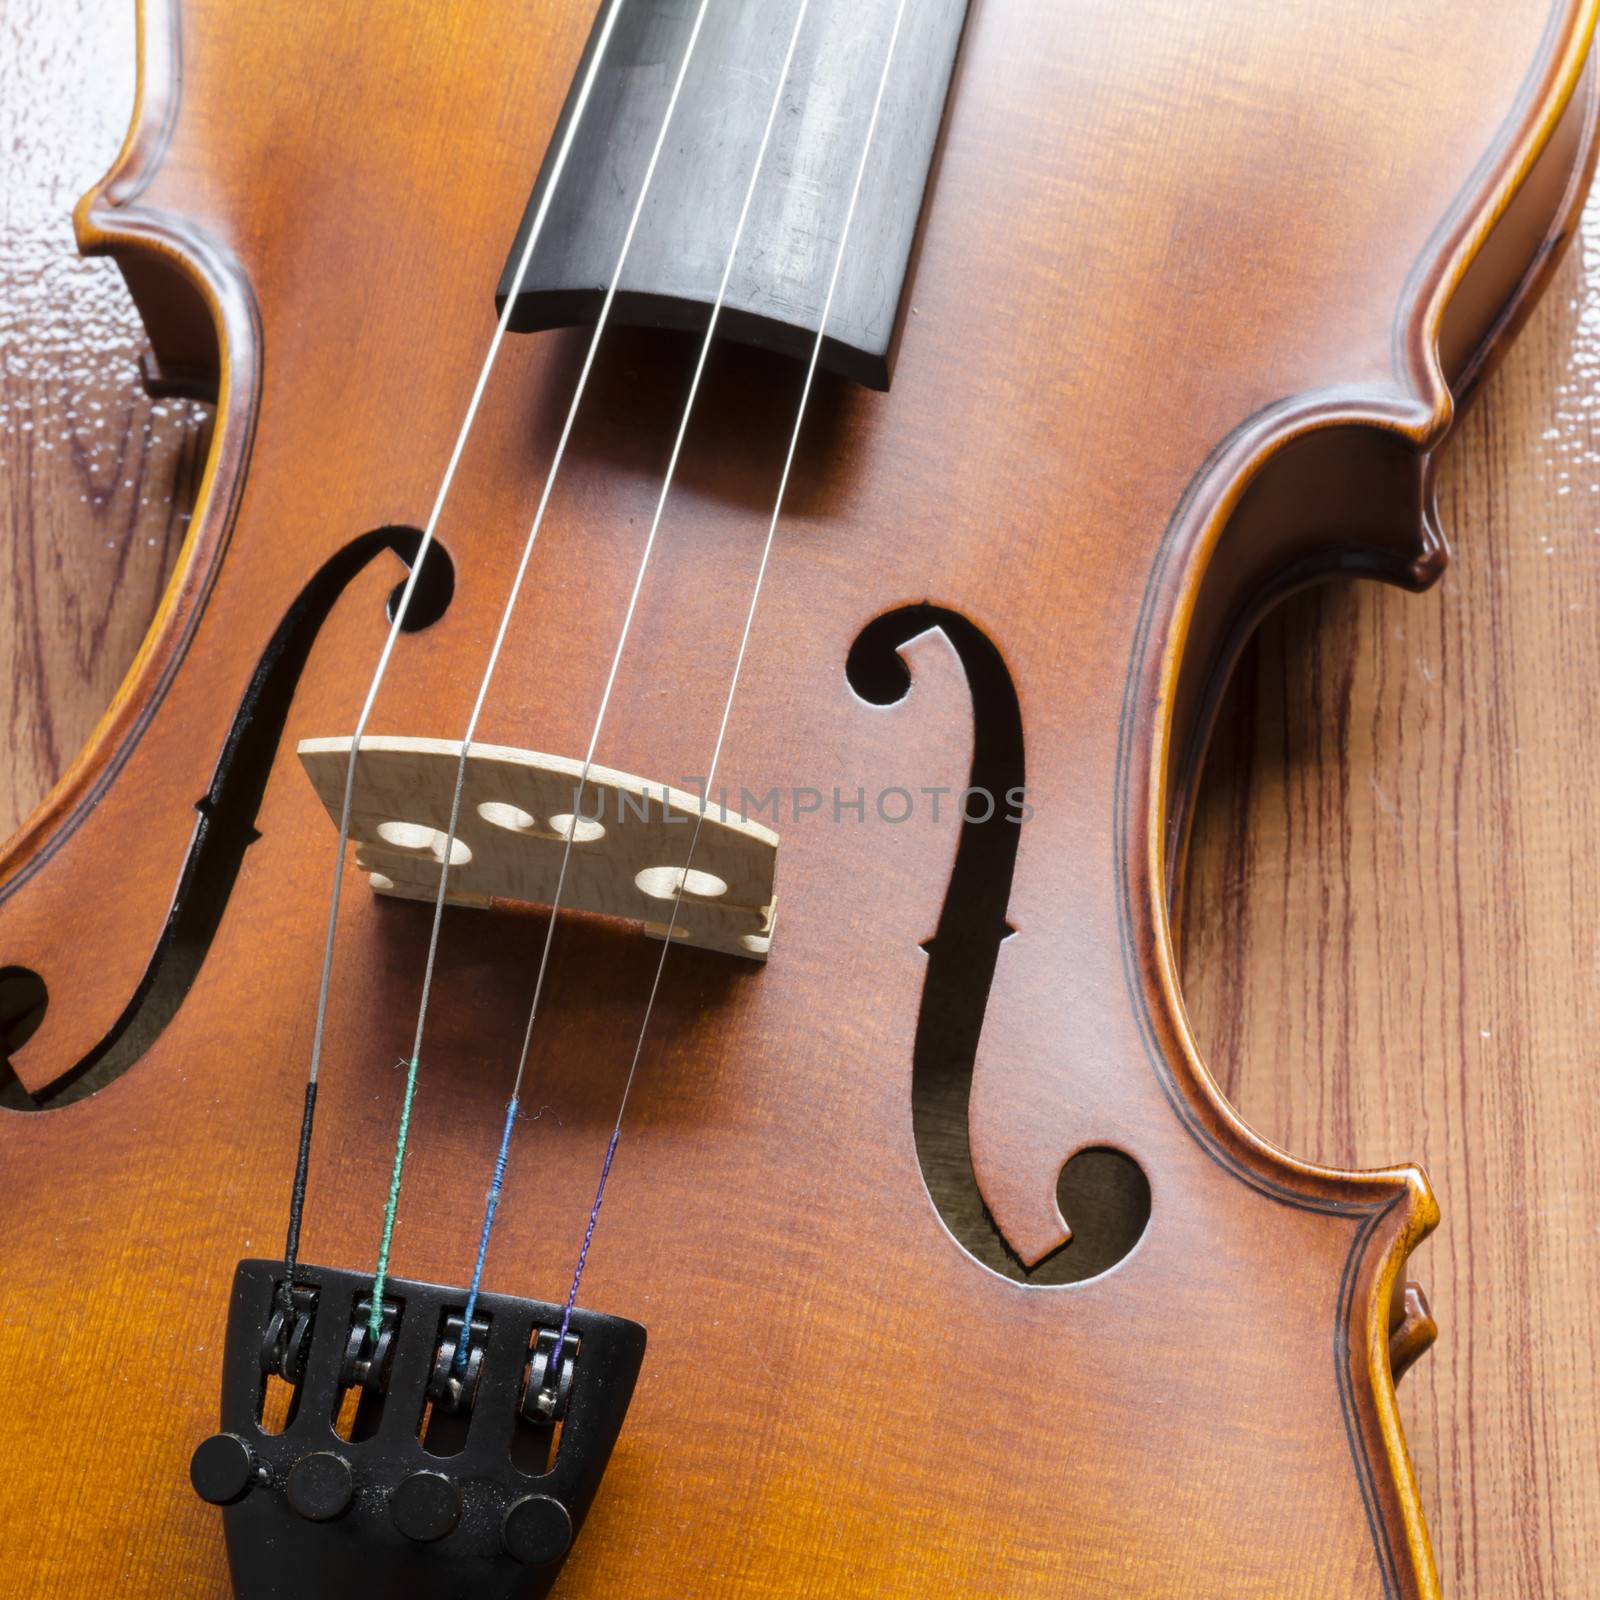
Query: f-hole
[
  {"x": 1103, "y": 1193},
  {"x": 24, "y": 1000},
  {"x": 435, "y": 587},
  {"x": 224, "y": 823}
]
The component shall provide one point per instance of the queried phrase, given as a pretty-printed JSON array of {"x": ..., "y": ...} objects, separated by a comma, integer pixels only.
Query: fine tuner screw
[
  {"x": 537, "y": 1530},
  {"x": 426, "y": 1506},
  {"x": 223, "y": 1469},
  {"x": 320, "y": 1486}
]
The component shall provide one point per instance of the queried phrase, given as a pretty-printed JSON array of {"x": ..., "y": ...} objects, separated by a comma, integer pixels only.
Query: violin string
[
  {"x": 497, "y": 1180},
  {"x": 397, "y": 621},
  {"x": 402, "y": 1135},
  {"x": 733, "y": 685}
]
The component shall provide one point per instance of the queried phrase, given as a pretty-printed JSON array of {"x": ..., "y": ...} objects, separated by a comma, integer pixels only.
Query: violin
[{"x": 599, "y": 1016}]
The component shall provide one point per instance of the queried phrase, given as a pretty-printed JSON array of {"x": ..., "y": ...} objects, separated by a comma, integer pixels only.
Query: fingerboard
[{"x": 782, "y": 267}]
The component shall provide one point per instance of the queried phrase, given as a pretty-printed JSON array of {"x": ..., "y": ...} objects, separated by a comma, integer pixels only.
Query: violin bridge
[{"x": 629, "y": 838}]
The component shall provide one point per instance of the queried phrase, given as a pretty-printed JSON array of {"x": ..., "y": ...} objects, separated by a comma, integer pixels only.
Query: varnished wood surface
[
  {"x": 1388, "y": 936},
  {"x": 1392, "y": 937},
  {"x": 97, "y": 478}
]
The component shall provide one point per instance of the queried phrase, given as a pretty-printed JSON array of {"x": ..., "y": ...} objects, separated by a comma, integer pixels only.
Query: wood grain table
[{"x": 1392, "y": 928}]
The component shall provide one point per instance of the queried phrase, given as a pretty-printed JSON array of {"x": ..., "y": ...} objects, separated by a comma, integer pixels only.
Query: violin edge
[
  {"x": 111, "y": 220},
  {"x": 1157, "y": 795},
  {"x": 1163, "y": 798},
  {"x": 200, "y": 315}
]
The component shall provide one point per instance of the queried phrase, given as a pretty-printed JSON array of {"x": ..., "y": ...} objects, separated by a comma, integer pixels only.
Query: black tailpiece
[{"x": 398, "y": 1471}]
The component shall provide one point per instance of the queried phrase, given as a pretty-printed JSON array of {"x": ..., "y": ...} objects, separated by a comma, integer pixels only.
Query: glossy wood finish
[
  {"x": 98, "y": 477},
  {"x": 1389, "y": 936},
  {"x": 752, "y": 1289}
]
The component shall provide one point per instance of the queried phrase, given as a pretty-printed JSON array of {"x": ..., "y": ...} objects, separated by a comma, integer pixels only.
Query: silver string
[
  {"x": 655, "y": 525},
  {"x": 738, "y": 668},
  {"x": 493, "y": 1196},
  {"x": 533, "y": 535},
  {"x": 397, "y": 621},
  {"x": 501, "y": 631}
]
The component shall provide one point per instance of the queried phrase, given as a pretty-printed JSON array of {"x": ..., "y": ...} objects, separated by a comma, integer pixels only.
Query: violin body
[{"x": 1199, "y": 288}]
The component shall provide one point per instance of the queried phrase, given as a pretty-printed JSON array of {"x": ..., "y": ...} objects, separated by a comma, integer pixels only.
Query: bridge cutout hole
[
  {"x": 418, "y": 839},
  {"x": 413, "y": 836},
  {"x": 661, "y": 883},
  {"x": 502, "y": 814},
  {"x": 584, "y": 830},
  {"x": 514, "y": 820}
]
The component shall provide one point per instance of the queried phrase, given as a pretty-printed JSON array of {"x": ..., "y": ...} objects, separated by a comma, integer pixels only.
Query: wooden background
[{"x": 1391, "y": 937}]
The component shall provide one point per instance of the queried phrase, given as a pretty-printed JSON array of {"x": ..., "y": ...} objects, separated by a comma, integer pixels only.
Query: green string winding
[{"x": 375, "y": 1319}]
